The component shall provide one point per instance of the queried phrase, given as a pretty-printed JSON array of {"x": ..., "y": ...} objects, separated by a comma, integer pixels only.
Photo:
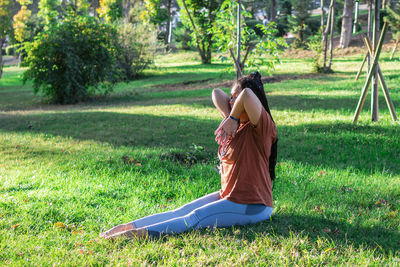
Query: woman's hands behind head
[{"x": 226, "y": 130}]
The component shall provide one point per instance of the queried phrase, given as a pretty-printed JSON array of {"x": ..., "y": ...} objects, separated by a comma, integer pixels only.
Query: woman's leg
[
  {"x": 179, "y": 212},
  {"x": 156, "y": 218},
  {"x": 221, "y": 213}
]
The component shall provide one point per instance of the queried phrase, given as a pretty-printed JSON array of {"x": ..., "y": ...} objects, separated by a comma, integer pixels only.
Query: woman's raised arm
[{"x": 221, "y": 102}]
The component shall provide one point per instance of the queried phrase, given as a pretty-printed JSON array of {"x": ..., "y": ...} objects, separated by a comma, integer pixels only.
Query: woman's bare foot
[
  {"x": 140, "y": 233},
  {"x": 117, "y": 229}
]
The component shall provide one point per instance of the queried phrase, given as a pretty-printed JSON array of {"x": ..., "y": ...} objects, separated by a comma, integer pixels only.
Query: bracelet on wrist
[{"x": 233, "y": 118}]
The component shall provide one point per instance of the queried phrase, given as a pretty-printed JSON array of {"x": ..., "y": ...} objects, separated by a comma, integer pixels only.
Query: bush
[
  {"x": 10, "y": 50},
  {"x": 136, "y": 49},
  {"x": 3, "y": 51},
  {"x": 72, "y": 59}
]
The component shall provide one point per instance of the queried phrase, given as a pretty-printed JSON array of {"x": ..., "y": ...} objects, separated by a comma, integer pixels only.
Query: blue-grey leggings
[{"x": 207, "y": 211}]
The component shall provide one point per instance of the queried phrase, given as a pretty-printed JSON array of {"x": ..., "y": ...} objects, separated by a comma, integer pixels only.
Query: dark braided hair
[{"x": 254, "y": 83}]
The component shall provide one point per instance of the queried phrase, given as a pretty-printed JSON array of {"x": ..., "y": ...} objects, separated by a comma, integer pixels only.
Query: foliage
[
  {"x": 199, "y": 16},
  {"x": 393, "y": 19},
  {"x": 136, "y": 48},
  {"x": 21, "y": 31},
  {"x": 298, "y": 22},
  {"x": 5, "y": 18},
  {"x": 49, "y": 11},
  {"x": 71, "y": 59},
  {"x": 257, "y": 49},
  {"x": 110, "y": 10},
  {"x": 10, "y": 50},
  {"x": 182, "y": 37}
]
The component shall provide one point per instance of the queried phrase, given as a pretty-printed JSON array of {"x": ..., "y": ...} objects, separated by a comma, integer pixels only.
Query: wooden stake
[
  {"x": 361, "y": 67},
  {"x": 370, "y": 73},
  {"x": 375, "y": 91},
  {"x": 394, "y": 48},
  {"x": 382, "y": 83}
]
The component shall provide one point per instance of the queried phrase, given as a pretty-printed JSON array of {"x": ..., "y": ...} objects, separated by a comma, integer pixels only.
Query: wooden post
[
  {"x": 382, "y": 83},
  {"x": 375, "y": 92},
  {"x": 370, "y": 73},
  {"x": 369, "y": 32}
]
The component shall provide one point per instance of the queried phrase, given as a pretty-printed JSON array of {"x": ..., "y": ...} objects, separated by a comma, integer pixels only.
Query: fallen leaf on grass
[
  {"x": 381, "y": 202},
  {"x": 26, "y": 200},
  {"x": 328, "y": 249},
  {"x": 60, "y": 225},
  {"x": 317, "y": 209},
  {"x": 81, "y": 251},
  {"x": 15, "y": 226},
  {"x": 321, "y": 173},
  {"x": 327, "y": 230},
  {"x": 336, "y": 231},
  {"x": 129, "y": 160}
]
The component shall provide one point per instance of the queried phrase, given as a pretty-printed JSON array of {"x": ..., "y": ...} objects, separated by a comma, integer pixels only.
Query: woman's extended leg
[
  {"x": 164, "y": 216},
  {"x": 221, "y": 213}
]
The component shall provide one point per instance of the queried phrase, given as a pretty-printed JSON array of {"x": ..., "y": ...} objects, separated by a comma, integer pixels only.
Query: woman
[{"x": 248, "y": 139}]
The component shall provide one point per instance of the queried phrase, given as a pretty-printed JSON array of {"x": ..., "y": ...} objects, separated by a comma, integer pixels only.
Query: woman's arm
[
  {"x": 247, "y": 102},
  {"x": 221, "y": 102}
]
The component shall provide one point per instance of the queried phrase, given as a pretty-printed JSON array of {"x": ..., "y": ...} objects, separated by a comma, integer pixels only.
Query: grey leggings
[{"x": 207, "y": 211}]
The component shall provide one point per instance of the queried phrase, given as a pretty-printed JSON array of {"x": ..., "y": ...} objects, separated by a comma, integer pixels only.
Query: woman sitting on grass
[{"x": 248, "y": 144}]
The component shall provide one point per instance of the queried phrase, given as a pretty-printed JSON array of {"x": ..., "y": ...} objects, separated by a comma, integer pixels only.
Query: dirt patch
[
  {"x": 9, "y": 61},
  {"x": 197, "y": 85},
  {"x": 356, "y": 47}
]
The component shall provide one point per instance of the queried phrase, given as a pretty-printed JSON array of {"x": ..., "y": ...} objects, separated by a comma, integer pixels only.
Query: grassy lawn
[{"x": 70, "y": 172}]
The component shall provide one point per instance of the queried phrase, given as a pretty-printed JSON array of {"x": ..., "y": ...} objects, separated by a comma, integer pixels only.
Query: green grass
[{"x": 70, "y": 172}]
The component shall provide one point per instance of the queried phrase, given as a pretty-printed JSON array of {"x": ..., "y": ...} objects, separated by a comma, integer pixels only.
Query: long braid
[{"x": 253, "y": 81}]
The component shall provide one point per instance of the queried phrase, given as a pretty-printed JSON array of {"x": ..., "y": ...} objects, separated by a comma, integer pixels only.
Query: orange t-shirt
[{"x": 244, "y": 166}]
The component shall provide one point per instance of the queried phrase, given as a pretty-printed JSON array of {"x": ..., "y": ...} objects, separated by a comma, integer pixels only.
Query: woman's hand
[{"x": 227, "y": 129}]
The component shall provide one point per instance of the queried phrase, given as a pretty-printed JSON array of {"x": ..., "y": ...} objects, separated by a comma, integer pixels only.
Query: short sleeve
[{"x": 265, "y": 126}]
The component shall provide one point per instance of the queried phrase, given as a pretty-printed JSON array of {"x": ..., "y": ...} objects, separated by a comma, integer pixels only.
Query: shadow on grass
[
  {"x": 341, "y": 233},
  {"x": 340, "y": 145}
]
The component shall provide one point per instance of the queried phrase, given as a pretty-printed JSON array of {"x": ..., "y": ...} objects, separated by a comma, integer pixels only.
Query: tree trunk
[
  {"x": 1, "y": 58},
  {"x": 167, "y": 33},
  {"x": 127, "y": 8},
  {"x": 272, "y": 15},
  {"x": 347, "y": 24},
  {"x": 332, "y": 31}
]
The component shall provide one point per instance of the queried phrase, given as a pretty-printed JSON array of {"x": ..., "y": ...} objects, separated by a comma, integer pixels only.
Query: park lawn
[{"x": 70, "y": 172}]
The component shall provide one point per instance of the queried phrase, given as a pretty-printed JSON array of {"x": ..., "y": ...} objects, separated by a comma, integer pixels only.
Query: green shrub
[
  {"x": 3, "y": 52},
  {"x": 182, "y": 37},
  {"x": 72, "y": 59},
  {"x": 136, "y": 49},
  {"x": 10, "y": 50}
]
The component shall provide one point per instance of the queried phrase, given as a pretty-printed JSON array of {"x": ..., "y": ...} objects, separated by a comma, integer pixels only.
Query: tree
[
  {"x": 72, "y": 58},
  {"x": 298, "y": 21},
  {"x": 21, "y": 31},
  {"x": 393, "y": 19},
  {"x": 160, "y": 13},
  {"x": 258, "y": 49},
  {"x": 347, "y": 24},
  {"x": 6, "y": 14},
  {"x": 199, "y": 16},
  {"x": 110, "y": 10},
  {"x": 136, "y": 48}
]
